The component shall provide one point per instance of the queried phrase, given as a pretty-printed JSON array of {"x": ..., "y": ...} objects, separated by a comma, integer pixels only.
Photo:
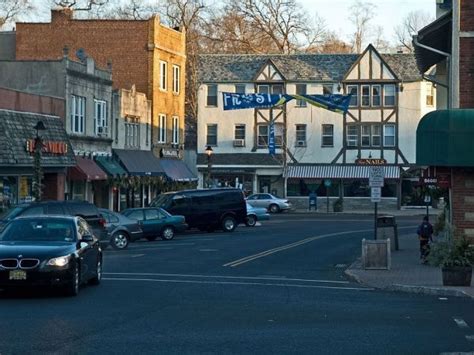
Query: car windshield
[
  {"x": 49, "y": 230},
  {"x": 11, "y": 213}
]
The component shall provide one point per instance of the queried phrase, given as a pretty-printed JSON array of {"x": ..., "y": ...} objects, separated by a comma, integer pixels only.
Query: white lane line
[
  {"x": 208, "y": 249},
  {"x": 238, "y": 283},
  {"x": 265, "y": 253},
  {"x": 461, "y": 323},
  {"x": 470, "y": 338},
  {"x": 273, "y": 278},
  {"x": 137, "y": 255}
]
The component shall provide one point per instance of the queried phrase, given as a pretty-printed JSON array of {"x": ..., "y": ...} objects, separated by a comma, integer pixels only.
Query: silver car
[{"x": 272, "y": 203}]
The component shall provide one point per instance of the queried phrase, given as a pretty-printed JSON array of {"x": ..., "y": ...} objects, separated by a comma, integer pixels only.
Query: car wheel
[
  {"x": 151, "y": 238},
  {"x": 98, "y": 273},
  {"x": 274, "y": 208},
  {"x": 72, "y": 288},
  {"x": 119, "y": 240},
  {"x": 167, "y": 233},
  {"x": 228, "y": 224},
  {"x": 251, "y": 221}
]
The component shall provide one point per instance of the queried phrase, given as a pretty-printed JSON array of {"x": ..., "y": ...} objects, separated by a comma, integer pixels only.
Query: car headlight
[{"x": 59, "y": 261}]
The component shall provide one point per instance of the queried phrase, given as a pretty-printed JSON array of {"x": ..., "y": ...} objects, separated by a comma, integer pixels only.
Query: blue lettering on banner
[{"x": 271, "y": 138}]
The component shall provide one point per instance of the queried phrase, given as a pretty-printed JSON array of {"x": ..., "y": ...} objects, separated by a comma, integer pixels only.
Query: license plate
[{"x": 17, "y": 275}]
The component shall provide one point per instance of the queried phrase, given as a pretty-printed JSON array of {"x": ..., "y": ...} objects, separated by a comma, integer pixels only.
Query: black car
[
  {"x": 49, "y": 251},
  {"x": 206, "y": 209},
  {"x": 122, "y": 229},
  {"x": 83, "y": 209}
]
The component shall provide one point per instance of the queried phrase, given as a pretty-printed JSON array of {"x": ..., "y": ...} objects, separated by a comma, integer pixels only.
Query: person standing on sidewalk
[{"x": 425, "y": 235}]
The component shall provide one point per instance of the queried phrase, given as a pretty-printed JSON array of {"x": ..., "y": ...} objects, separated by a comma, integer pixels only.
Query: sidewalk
[
  {"x": 402, "y": 212},
  {"x": 407, "y": 274}
]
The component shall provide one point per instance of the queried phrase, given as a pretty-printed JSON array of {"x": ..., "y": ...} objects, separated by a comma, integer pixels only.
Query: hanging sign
[
  {"x": 48, "y": 147},
  {"x": 376, "y": 176},
  {"x": 271, "y": 138}
]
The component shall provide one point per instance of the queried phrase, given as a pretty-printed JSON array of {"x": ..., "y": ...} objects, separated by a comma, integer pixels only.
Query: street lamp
[
  {"x": 209, "y": 152},
  {"x": 38, "y": 173}
]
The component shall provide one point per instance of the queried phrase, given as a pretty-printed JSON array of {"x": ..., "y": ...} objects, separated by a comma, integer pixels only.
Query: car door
[
  {"x": 87, "y": 251},
  {"x": 253, "y": 200},
  {"x": 264, "y": 200},
  {"x": 138, "y": 215},
  {"x": 152, "y": 223}
]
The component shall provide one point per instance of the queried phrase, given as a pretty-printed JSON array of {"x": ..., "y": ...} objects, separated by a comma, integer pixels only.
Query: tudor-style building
[{"x": 313, "y": 145}]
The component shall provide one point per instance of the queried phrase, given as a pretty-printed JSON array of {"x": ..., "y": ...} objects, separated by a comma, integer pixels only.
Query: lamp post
[
  {"x": 209, "y": 152},
  {"x": 38, "y": 172}
]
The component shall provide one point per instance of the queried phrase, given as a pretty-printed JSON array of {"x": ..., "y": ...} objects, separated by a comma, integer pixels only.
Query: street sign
[
  {"x": 427, "y": 198},
  {"x": 327, "y": 182},
  {"x": 376, "y": 176},
  {"x": 375, "y": 194}
]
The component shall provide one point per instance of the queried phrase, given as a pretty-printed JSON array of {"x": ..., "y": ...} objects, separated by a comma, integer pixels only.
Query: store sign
[
  {"x": 441, "y": 180},
  {"x": 371, "y": 162},
  {"x": 51, "y": 147},
  {"x": 170, "y": 153}
]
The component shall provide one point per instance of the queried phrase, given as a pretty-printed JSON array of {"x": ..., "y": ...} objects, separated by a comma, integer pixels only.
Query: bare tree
[
  {"x": 379, "y": 41},
  {"x": 361, "y": 12},
  {"x": 332, "y": 43},
  {"x": 11, "y": 9},
  {"x": 410, "y": 25},
  {"x": 80, "y": 5}
]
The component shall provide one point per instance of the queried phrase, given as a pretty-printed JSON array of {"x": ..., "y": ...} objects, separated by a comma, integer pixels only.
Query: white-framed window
[
  {"x": 163, "y": 75},
  {"x": 162, "y": 128},
  {"x": 273, "y": 89},
  {"x": 389, "y": 135},
  {"x": 132, "y": 132},
  {"x": 376, "y": 135},
  {"x": 300, "y": 90},
  {"x": 100, "y": 117},
  {"x": 365, "y": 95},
  {"x": 263, "y": 89},
  {"x": 263, "y": 132},
  {"x": 240, "y": 88},
  {"x": 365, "y": 136},
  {"x": 354, "y": 91},
  {"x": 78, "y": 111},
  {"x": 376, "y": 95},
  {"x": 429, "y": 94},
  {"x": 389, "y": 95},
  {"x": 211, "y": 95},
  {"x": 211, "y": 138},
  {"x": 239, "y": 131},
  {"x": 352, "y": 136},
  {"x": 370, "y": 135},
  {"x": 175, "y": 130},
  {"x": 176, "y": 78},
  {"x": 327, "y": 138},
  {"x": 301, "y": 135}
]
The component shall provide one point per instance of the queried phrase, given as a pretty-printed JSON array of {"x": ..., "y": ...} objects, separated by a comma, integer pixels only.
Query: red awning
[{"x": 86, "y": 169}]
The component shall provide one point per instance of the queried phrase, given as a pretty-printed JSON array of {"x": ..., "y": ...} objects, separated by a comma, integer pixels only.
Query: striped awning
[{"x": 337, "y": 172}]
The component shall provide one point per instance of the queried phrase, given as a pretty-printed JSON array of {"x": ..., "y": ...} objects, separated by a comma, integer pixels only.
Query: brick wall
[
  {"x": 467, "y": 15},
  {"x": 463, "y": 201},
  {"x": 466, "y": 72},
  {"x": 54, "y": 186},
  {"x": 120, "y": 41}
]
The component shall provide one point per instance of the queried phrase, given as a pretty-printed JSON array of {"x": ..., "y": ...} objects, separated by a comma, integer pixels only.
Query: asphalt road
[{"x": 277, "y": 288}]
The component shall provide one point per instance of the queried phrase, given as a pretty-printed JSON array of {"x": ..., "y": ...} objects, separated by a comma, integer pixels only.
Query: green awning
[
  {"x": 446, "y": 138},
  {"x": 111, "y": 166}
]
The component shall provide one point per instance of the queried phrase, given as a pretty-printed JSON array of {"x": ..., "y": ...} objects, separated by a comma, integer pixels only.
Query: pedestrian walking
[
  {"x": 425, "y": 235},
  {"x": 313, "y": 201}
]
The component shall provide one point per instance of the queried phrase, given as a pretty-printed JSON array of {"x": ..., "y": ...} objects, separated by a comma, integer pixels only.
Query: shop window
[
  {"x": 356, "y": 189},
  {"x": 8, "y": 192},
  {"x": 302, "y": 187},
  {"x": 78, "y": 190},
  {"x": 300, "y": 90},
  {"x": 352, "y": 136},
  {"x": 211, "y": 135},
  {"x": 353, "y": 90},
  {"x": 211, "y": 95},
  {"x": 389, "y": 95}
]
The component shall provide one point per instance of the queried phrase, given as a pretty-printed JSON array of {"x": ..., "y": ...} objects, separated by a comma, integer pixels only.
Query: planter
[{"x": 457, "y": 275}]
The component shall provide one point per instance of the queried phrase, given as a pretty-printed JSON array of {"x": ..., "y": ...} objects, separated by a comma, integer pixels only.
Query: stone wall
[
  {"x": 463, "y": 201},
  {"x": 350, "y": 203}
]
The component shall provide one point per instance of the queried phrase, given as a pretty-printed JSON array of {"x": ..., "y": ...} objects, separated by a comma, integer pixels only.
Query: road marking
[
  {"x": 273, "y": 278},
  {"x": 239, "y": 283},
  {"x": 470, "y": 338},
  {"x": 208, "y": 249},
  {"x": 461, "y": 323},
  {"x": 137, "y": 255},
  {"x": 443, "y": 298},
  {"x": 265, "y": 253}
]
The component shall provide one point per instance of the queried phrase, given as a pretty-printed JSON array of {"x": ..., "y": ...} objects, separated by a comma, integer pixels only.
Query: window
[
  {"x": 389, "y": 135},
  {"x": 370, "y": 135},
  {"x": 389, "y": 95},
  {"x": 327, "y": 139},
  {"x": 239, "y": 132},
  {"x": 100, "y": 117},
  {"x": 212, "y": 95},
  {"x": 365, "y": 136},
  {"x": 137, "y": 214},
  {"x": 300, "y": 90},
  {"x": 78, "y": 110},
  {"x": 147, "y": 133},
  {"x": 365, "y": 96},
  {"x": 263, "y": 89},
  {"x": 132, "y": 132},
  {"x": 429, "y": 94},
  {"x": 354, "y": 91},
  {"x": 274, "y": 89},
  {"x": 175, "y": 130},
  {"x": 352, "y": 136},
  {"x": 301, "y": 135},
  {"x": 163, "y": 76},
  {"x": 151, "y": 214},
  {"x": 240, "y": 88},
  {"x": 327, "y": 89},
  {"x": 211, "y": 134},
  {"x": 162, "y": 129},
  {"x": 277, "y": 89},
  {"x": 376, "y": 95},
  {"x": 176, "y": 78},
  {"x": 376, "y": 136},
  {"x": 116, "y": 130},
  {"x": 263, "y": 132}
]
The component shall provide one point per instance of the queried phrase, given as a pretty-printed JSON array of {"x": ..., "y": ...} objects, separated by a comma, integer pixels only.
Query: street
[{"x": 276, "y": 288}]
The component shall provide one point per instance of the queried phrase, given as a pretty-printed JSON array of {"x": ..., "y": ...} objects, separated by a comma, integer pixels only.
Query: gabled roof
[{"x": 235, "y": 68}]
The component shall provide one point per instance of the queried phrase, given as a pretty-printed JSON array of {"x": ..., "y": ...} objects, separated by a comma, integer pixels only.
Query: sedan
[
  {"x": 54, "y": 251},
  {"x": 255, "y": 214},
  {"x": 156, "y": 222},
  {"x": 272, "y": 203},
  {"x": 122, "y": 230}
]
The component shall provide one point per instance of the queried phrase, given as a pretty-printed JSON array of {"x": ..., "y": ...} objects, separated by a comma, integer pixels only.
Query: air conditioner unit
[
  {"x": 301, "y": 143},
  {"x": 239, "y": 142}
]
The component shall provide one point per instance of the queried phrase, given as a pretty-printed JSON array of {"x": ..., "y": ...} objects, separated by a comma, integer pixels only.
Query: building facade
[{"x": 314, "y": 146}]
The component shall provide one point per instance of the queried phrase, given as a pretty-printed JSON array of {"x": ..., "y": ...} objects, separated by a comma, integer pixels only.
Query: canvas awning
[
  {"x": 177, "y": 170},
  {"x": 307, "y": 171},
  {"x": 139, "y": 162},
  {"x": 86, "y": 169},
  {"x": 111, "y": 166}
]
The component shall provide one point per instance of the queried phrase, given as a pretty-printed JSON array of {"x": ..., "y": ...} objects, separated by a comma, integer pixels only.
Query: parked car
[
  {"x": 157, "y": 222},
  {"x": 272, "y": 203},
  {"x": 255, "y": 214},
  {"x": 206, "y": 209},
  {"x": 122, "y": 230},
  {"x": 59, "y": 251},
  {"x": 83, "y": 209}
]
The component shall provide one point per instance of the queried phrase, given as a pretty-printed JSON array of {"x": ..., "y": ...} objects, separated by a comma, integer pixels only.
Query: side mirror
[{"x": 87, "y": 238}]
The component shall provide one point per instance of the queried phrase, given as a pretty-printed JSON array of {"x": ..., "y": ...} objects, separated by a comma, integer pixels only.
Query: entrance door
[{"x": 264, "y": 185}]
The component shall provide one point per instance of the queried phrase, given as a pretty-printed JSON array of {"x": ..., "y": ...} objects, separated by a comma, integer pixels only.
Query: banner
[{"x": 271, "y": 137}]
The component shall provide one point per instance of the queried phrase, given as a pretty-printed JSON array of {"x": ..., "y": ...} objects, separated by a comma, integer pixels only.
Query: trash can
[
  {"x": 376, "y": 254},
  {"x": 387, "y": 229}
]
